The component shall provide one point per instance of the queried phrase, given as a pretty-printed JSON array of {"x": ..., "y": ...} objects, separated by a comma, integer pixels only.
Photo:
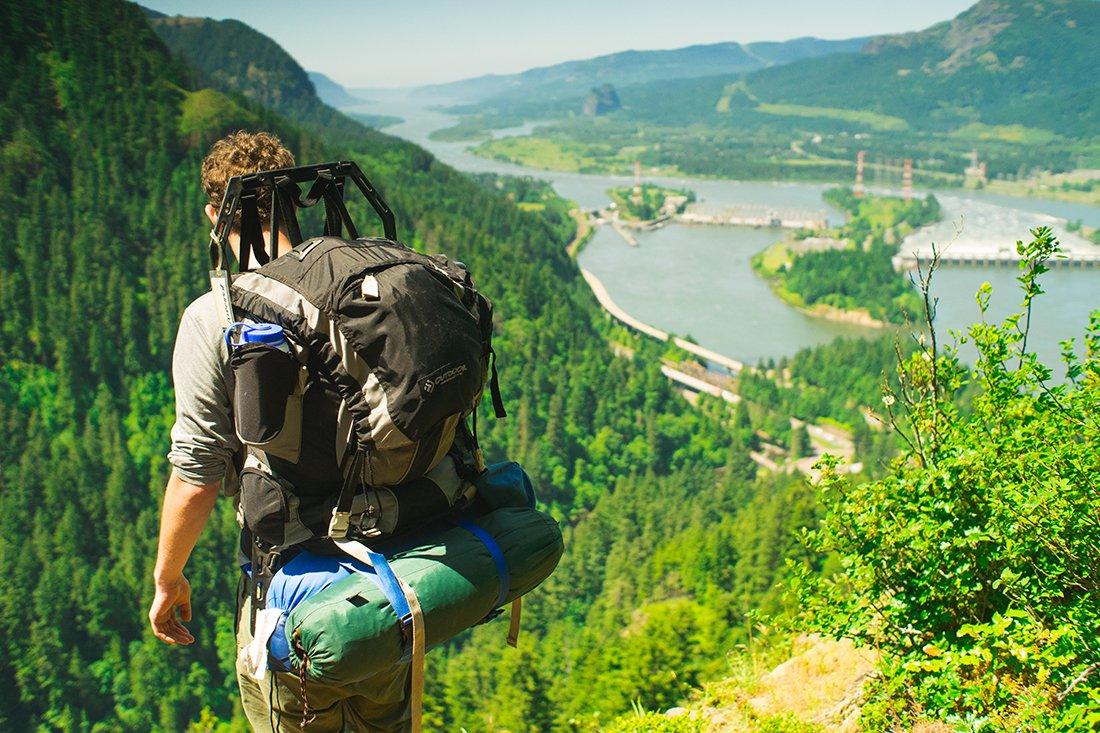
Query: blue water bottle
[
  {"x": 265, "y": 375},
  {"x": 241, "y": 334}
]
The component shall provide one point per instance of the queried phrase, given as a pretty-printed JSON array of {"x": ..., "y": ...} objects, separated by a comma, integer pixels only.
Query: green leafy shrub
[
  {"x": 974, "y": 564},
  {"x": 785, "y": 723},
  {"x": 640, "y": 722}
]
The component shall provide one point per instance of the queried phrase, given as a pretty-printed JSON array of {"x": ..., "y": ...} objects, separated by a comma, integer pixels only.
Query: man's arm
[
  {"x": 186, "y": 509},
  {"x": 203, "y": 444}
]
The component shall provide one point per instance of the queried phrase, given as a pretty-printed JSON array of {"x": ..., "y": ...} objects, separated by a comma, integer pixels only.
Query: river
[{"x": 697, "y": 280}]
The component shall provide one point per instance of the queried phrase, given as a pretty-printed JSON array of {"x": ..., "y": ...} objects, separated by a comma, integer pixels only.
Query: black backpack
[{"x": 364, "y": 412}]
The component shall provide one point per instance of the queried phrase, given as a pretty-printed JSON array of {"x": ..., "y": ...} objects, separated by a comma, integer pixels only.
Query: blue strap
[
  {"x": 495, "y": 552},
  {"x": 383, "y": 576},
  {"x": 387, "y": 581}
]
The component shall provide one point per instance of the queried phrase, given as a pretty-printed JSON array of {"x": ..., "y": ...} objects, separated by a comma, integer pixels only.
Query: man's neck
[{"x": 284, "y": 244}]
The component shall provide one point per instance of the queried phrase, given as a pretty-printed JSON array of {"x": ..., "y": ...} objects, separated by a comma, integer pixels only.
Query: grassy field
[
  {"x": 873, "y": 120},
  {"x": 206, "y": 110},
  {"x": 881, "y": 212},
  {"x": 552, "y": 154},
  {"x": 584, "y": 232},
  {"x": 768, "y": 262},
  {"x": 1004, "y": 133},
  {"x": 738, "y": 87}
]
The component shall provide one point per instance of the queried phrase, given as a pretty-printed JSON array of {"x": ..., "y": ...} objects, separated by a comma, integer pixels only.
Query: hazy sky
[{"x": 367, "y": 43}]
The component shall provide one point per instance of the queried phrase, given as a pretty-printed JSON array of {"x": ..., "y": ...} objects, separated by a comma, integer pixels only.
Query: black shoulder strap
[
  {"x": 284, "y": 204},
  {"x": 494, "y": 386},
  {"x": 485, "y": 321},
  {"x": 335, "y": 211},
  {"x": 252, "y": 236}
]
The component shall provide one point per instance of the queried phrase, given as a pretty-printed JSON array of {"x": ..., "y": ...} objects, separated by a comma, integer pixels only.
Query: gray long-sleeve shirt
[{"x": 203, "y": 439}]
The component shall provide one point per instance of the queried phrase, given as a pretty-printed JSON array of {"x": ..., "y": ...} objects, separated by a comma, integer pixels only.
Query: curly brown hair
[{"x": 239, "y": 153}]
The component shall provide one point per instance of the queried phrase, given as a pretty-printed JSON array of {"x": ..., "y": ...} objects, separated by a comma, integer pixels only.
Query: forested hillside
[
  {"x": 995, "y": 63},
  {"x": 102, "y": 131}
]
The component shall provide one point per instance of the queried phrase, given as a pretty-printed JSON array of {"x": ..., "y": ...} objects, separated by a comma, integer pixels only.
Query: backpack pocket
[
  {"x": 264, "y": 506},
  {"x": 267, "y": 399}
]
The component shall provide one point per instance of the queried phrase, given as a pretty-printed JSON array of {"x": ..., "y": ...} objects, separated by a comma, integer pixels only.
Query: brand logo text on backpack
[{"x": 442, "y": 376}]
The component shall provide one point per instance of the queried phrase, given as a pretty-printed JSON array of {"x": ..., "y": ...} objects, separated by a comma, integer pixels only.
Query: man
[{"x": 204, "y": 445}]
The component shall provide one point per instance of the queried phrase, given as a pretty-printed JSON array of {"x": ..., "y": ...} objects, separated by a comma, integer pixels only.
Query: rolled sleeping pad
[
  {"x": 349, "y": 631},
  {"x": 306, "y": 574}
]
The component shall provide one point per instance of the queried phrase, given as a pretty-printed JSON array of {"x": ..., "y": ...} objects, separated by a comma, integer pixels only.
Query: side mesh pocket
[
  {"x": 267, "y": 399},
  {"x": 264, "y": 505}
]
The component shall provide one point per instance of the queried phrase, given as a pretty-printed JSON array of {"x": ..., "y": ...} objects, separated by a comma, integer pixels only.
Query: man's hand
[
  {"x": 166, "y": 625},
  {"x": 185, "y": 511}
]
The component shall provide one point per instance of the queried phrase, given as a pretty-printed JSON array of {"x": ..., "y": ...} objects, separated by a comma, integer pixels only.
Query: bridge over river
[{"x": 755, "y": 216}]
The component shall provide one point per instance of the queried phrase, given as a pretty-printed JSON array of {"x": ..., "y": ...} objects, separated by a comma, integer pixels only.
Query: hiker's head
[{"x": 237, "y": 154}]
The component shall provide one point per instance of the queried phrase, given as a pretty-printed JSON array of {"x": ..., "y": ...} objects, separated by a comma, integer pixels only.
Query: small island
[{"x": 647, "y": 202}]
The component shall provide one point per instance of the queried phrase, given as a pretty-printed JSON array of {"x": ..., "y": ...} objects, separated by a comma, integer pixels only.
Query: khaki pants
[{"x": 378, "y": 704}]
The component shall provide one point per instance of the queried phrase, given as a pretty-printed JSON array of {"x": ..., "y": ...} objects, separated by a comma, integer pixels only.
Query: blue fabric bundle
[{"x": 304, "y": 576}]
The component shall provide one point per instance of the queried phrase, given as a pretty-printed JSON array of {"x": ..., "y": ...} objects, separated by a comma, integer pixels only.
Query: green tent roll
[{"x": 350, "y": 631}]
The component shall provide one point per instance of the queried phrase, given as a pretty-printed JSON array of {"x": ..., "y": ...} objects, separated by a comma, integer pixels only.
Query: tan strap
[
  {"x": 220, "y": 285},
  {"x": 513, "y": 627},
  {"x": 419, "y": 649}
]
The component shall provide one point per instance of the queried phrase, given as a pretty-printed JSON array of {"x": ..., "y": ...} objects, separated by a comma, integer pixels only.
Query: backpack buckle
[{"x": 339, "y": 525}]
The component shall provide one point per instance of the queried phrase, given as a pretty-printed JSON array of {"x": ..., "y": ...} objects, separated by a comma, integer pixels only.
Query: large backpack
[
  {"x": 388, "y": 352},
  {"x": 356, "y": 422}
]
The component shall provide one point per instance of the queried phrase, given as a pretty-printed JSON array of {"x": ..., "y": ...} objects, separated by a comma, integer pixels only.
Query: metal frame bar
[{"x": 339, "y": 170}]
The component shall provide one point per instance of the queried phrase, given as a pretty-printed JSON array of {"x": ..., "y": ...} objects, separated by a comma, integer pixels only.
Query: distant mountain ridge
[
  {"x": 999, "y": 69},
  {"x": 332, "y": 93},
  {"x": 634, "y": 67},
  {"x": 998, "y": 62}
]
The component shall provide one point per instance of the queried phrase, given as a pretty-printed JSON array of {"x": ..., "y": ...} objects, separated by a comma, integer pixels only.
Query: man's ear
[{"x": 211, "y": 213}]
